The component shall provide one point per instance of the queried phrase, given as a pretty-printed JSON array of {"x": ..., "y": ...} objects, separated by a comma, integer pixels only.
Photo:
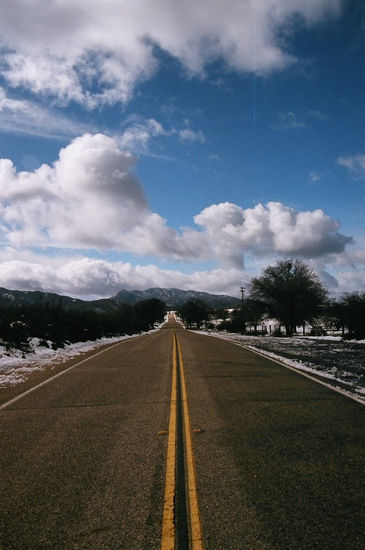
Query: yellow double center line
[{"x": 169, "y": 523}]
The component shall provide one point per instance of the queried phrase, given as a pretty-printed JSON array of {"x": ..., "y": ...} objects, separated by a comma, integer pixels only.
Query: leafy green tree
[{"x": 290, "y": 292}]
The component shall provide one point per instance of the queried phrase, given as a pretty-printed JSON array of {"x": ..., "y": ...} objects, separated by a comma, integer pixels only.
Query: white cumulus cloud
[
  {"x": 95, "y": 278},
  {"x": 231, "y": 231},
  {"x": 96, "y": 52},
  {"x": 86, "y": 198},
  {"x": 88, "y": 278},
  {"x": 90, "y": 198}
]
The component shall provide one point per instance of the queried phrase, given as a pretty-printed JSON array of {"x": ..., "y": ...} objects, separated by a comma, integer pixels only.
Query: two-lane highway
[{"x": 277, "y": 459}]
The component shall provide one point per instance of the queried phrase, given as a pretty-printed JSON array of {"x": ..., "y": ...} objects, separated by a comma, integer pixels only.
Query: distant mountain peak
[{"x": 173, "y": 297}]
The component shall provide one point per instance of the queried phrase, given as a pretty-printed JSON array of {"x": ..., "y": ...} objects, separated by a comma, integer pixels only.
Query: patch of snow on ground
[
  {"x": 329, "y": 357},
  {"x": 16, "y": 366}
]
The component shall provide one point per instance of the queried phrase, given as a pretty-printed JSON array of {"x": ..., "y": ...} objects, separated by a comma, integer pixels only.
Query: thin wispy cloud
[
  {"x": 22, "y": 116},
  {"x": 316, "y": 114},
  {"x": 355, "y": 164},
  {"x": 287, "y": 121},
  {"x": 190, "y": 135},
  {"x": 137, "y": 136},
  {"x": 316, "y": 176},
  {"x": 138, "y": 133}
]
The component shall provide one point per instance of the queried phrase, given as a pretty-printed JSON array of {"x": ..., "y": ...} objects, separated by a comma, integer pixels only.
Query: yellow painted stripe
[
  {"x": 196, "y": 542},
  {"x": 168, "y": 527}
]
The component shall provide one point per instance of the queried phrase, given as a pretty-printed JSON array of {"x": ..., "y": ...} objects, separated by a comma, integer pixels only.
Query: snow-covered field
[
  {"x": 16, "y": 366},
  {"x": 328, "y": 356}
]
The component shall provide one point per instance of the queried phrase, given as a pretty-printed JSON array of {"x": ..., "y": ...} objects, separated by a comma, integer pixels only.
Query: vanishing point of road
[{"x": 180, "y": 440}]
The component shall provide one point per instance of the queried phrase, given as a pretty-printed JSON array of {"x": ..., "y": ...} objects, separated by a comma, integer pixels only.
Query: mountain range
[{"x": 173, "y": 298}]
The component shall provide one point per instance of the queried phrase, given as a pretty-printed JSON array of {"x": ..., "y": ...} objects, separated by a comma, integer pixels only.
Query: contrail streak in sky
[{"x": 254, "y": 76}]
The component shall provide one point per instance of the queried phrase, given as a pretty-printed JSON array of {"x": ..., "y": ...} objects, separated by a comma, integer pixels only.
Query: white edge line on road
[
  {"x": 298, "y": 371},
  {"x": 7, "y": 403}
]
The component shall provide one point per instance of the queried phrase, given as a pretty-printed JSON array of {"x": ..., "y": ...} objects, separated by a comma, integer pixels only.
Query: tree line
[
  {"x": 291, "y": 293},
  {"x": 55, "y": 325}
]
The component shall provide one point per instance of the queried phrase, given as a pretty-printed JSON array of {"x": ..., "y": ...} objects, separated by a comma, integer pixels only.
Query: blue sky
[{"x": 180, "y": 144}]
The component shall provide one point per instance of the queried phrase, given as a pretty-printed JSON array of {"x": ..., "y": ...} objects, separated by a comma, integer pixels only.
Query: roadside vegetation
[
  {"x": 290, "y": 294},
  {"x": 56, "y": 326}
]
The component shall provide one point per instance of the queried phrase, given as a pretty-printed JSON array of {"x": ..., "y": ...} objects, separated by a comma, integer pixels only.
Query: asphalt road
[{"x": 279, "y": 459}]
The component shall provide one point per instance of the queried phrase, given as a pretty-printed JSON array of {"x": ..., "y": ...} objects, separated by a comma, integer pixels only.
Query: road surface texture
[{"x": 278, "y": 458}]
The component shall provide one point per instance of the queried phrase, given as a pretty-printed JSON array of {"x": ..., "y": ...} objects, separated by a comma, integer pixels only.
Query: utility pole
[
  {"x": 242, "y": 310},
  {"x": 242, "y": 295}
]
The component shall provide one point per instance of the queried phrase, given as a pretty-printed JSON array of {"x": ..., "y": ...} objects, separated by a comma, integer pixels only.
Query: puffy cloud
[
  {"x": 88, "y": 277},
  {"x": 222, "y": 224},
  {"x": 87, "y": 198},
  {"x": 94, "y": 278},
  {"x": 97, "y": 52},
  {"x": 310, "y": 233},
  {"x": 231, "y": 231},
  {"x": 90, "y": 198},
  {"x": 355, "y": 165}
]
